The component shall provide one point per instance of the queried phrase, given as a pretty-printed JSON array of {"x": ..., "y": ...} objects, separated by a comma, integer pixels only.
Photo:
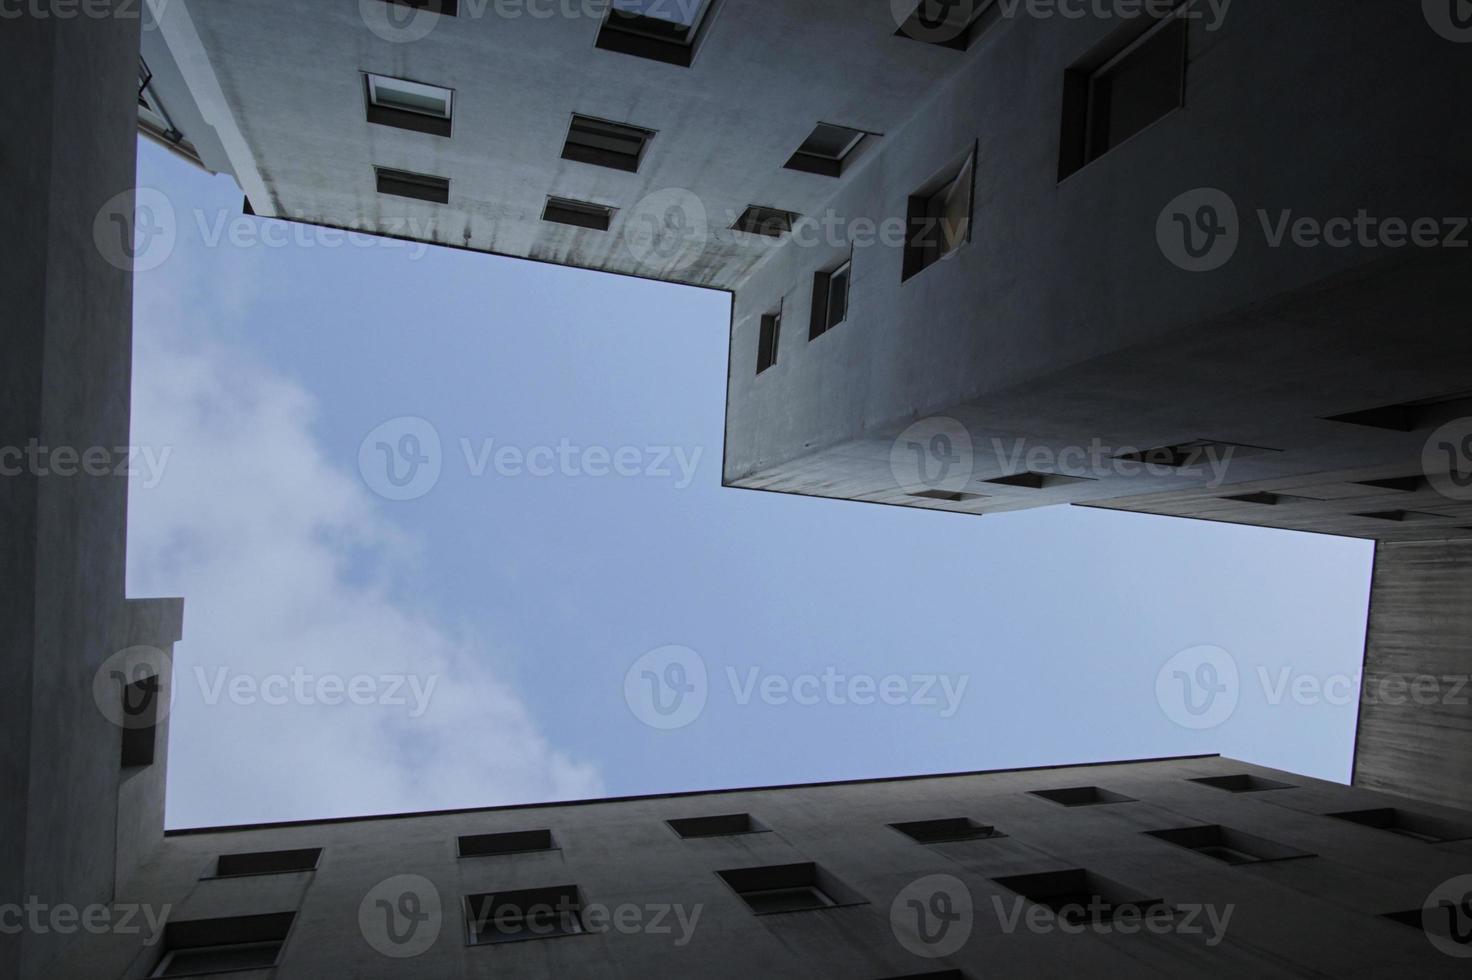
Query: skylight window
[
  {"x": 661, "y": 30},
  {"x": 826, "y": 149}
]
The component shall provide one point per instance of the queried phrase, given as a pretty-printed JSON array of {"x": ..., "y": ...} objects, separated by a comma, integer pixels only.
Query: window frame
[
  {"x": 821, "y": 320},
  {"x": 768, "y": 343},
  {"x": 405, "y": 117},
  {"x": 602, "y": 156},
  {"x": 631, "y": 34},
  {"x": 922, "y": 222}
]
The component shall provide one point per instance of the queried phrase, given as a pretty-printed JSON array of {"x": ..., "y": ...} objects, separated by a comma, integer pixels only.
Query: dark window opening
[
  {"x": 760, "y": 220},
  {"x": 1227, "y": 845},
  {"x": 1403, "y": 516},
  {"x": 1194, "y": 455},
  {"x": 948, "y": 496},
  {"x": 1032, "y": 480},
  {"x": 1078, "y": 895},
  {"x": 660, "y": 30},
  {"x": 768, "y": 340},
  {"x": 1123, "y": 87},
  {"x": 267, "y": 862},
  {"x": 409, "y": 105},
  {"x": 830, "y": 300},
  {"x": 788, "y": 888},
  {"x": 1411, "y": 416},
  {"x": 1241, "y": 783},
  {"x": 446, "y": 8},
  {"x": 722, "y": 825},
  {"x": 1405, "y": 823},
  {"x": 420, "y": 187},
  {"x": 513, "y": 842},
  {"x": 601, "y": 143},
  {"x": 244, "y": 942},
  {"x": 530, "y": 913},
  {"x": 580, "y": 214},
  {"x": 1082, "y": 796},
  {"x": 939, "y": 217},
  {"x": 826, "y": 150},
  {"x": 140, "y": 722},
  {"x": 946, "y": 830}
]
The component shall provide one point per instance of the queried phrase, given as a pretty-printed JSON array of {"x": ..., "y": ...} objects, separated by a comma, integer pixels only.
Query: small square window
[
  {"x": 1078, "y": 895},
  {"x": 724, "y": 825},
  {"x": 1121, "y": 89},
  {"x": 826, "y": 150},
  {"x": 140, "y": 722},
  {"x": 761, "y": 220},
  {"x": 1227, "y": 845},
  {"x": 1241, "y": 783},
  {"x": 247, "y": 942},
  {"x": 1405, "y": 823},
  {"x": 267, "y": 862},
  {"x": 939, "y": 217},
  {"x": 420, "y": 187},
  {"x": 513, "y": 842},
  {"x": 788, "y": 888},
  {"x": 830, "y": 299},
  {"x": 767, "y": 341},
  {"x": 954, "y": 24},
  {"x": 660, "y": 30},
  {"x": 601, "y": 143},
  {"x": 1082, "y": 796},
  {"x": 531, "y": 913},
  {"x": 409, "y": 105},
  {"x": 946, "y": 830},
  {"x": 580, "y": 214}
]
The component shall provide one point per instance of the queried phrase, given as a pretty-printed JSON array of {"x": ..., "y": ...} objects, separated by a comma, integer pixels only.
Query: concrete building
[
  {"x": 977, "y": 875},
  {"x": 983, "y": 257}
]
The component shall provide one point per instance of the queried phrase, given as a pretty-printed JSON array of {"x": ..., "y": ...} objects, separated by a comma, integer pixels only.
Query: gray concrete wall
[
  {"x": 1415, "y": 731},
  {"x": 1064, "y": 321},
  {"x": 1317, "y": 915}
]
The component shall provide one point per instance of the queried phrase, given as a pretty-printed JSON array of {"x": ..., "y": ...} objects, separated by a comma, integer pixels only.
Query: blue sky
[{"x": 487, "y": 640}]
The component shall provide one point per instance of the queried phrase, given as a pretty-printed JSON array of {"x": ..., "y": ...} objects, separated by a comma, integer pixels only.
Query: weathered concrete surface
[{"x": 1415, "y": 730}]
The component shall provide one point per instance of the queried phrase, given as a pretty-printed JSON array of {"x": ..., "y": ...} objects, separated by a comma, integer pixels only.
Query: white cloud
[{"x": 289, "y": 567}]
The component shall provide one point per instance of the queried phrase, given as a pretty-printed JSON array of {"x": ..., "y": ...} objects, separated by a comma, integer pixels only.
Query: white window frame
[{"x": 411, "y": 87}]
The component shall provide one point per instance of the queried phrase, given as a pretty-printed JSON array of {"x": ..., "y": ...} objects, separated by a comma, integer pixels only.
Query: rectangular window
[
  {"x": 948, "y": 496},
  {"x": 1129, "y": 83},
  {"x": 723, "y": 825},
  {"x": 601, "y": 143},
  {"x": 531, "y": 913},
  {"x": 267, "y": 862},
  {"x": 1079, "y": 896},
  {"x": 1403, "y": 516},
  {"x": 513, "y": 842},
  {"x": 1082, "y": 796},
  {"x": 939, "y": 216},
  {"x": 1201, "y": 454},
  {"x": 949, "y": 829},
  {"x": 409, "y": 105},
  {"x": 140, "y": 722},
  {"x": 1405, "y": 823},
  {"x": 826, "y": 150},
  {"x": 246, "y": 942},
  {"x": 767, "y": 341},
  {"x": 1033, "y": 480},
  {"x": 954, "y": 24},
  {"x": 580, "y": 214},
  {"x": 661, "y": 30},
  {"x": 788, "y": 888},
  {"x": 1227, "y": 845},
  {"x": 1241, "y": 783},
  {"x": 420, "y": 187},
  {"x": 769, "y": 222},
  {"x": 830, "y": 299},
  {"x": 446, "y": 8},
  {"x": 1411, "y": 416}
]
